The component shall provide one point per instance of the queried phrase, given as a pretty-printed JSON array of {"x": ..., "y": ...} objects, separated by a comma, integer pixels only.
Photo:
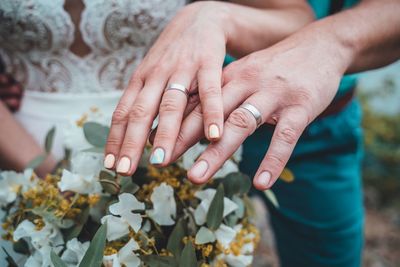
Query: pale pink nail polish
[
  {"x": 264, "y": 178},
  {"x": 124, "y": 165},
  {"x": 109, "y": 161},
  {"x": 199, "y": 169}
]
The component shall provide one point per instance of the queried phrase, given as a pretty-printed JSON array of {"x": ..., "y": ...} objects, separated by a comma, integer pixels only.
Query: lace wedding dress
[{"x": 60, "y": 86}]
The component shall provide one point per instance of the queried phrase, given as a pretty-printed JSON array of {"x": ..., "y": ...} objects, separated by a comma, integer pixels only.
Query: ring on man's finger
[
  {"x": 178, "y": 87},
  {"x": 254, "y": 112}
]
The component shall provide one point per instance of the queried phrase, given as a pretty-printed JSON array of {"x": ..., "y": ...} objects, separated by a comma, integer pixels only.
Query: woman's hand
[
  {"x": 290, "y": 84},
  {"x": 10, "y": 92},
  {"x": 189, "y": 52}
]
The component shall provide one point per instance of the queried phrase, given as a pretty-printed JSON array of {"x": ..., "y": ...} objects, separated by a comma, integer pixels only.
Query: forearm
[
  {"x": 365, "y": 37},
  {"x": 264, "y": 23},
  {"x": 17, "y": 147}
]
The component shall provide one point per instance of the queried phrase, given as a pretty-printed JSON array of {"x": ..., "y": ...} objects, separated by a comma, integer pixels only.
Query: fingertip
[
  {"x": 213, "y": 132},
  {"x": 197, "y": 173},
  {"x": 263, "y": 180},
  {"x": 109, "y": 161}
]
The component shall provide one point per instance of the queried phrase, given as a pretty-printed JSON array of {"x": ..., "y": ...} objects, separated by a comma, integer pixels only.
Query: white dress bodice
[{"x": 36, "y": 35}]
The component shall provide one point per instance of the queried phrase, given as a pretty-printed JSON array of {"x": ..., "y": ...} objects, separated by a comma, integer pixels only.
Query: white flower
[
  {"x": 11, "y": 182},
  {"x": 83, "y": 178},
  {"x": 43, "y": 241},
  {"x": 245, "y": 258},
  {"x": 190, "y": 157},
  {"x": 224, "y": 235},
  {"x": 74, "y": 253},
  {"x": 164, "y": 205},
  {"x": 206, "y": 196},
  {"x": 125, "y": 256},
  {"x": 119, "y": 226}
]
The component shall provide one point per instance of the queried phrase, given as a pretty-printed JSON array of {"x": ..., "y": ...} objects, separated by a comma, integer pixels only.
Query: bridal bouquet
[{"x": 83, "y": 215}]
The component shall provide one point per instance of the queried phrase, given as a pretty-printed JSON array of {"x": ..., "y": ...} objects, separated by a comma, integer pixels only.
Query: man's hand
[{"x": 290, "y": 84}]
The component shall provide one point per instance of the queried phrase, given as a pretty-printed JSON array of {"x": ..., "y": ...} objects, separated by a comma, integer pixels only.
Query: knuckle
[
  {"x": 169, "y": 105},
  {"x": 138, "y": 112},
  {"x": 215, "y": 152},
  {"x": 197, "y": 112},
  {"x": 162, "y": 136},
  {"x": 239, "y": 119},
  {"x": 119, "y": 115},
  {"x": 181, "y": 138},
  {"x": 129, "y": 145},
  {"x": 288, "y": 135},
  {"x": 276, "y": 162},
  {"x": 113, "y": 141},
  {"x": 211, "y": 91}
]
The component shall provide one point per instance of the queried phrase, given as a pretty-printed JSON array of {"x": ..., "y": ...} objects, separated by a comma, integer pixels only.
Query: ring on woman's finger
[
  {"x": 178, "y": 87},
  {"x": 254, "y": 112}
]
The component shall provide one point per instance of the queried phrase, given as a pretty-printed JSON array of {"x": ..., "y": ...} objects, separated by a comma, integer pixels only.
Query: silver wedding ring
[
  {"x": 178, "y": 87},
  {"x": 254, "y": 111}
]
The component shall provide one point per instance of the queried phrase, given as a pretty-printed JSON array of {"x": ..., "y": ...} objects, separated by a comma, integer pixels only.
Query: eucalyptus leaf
[
  {"x": 109, "y": 183},
  {"x": 241, "y": 207},
  {"x": 56, "y": 260},
  {"x": 96, "y": 134},
  {"x": 271, "y": 197},
  {"x": 97, "y": 150},
  {"x": 21, "y": 246},
  {"x": 94, "y": 255},
  {"x": 216, "y": 211},
  {"x": 236, "y": 183},
  {"x": 127, "y": 186},
  {"x": 158, "y": 261},
  {"x": 48, "y": 144},
  {"x": 188, "y": 257},
  {"x": 36, "y": 162},
  {"x": 231, "y": 220},
  {"x": 204, "y": 235},
  {"x": 175, "y": 243}
]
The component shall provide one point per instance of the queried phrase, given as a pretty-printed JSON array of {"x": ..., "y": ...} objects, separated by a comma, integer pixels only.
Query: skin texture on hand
[
  {"x": 291, "y": 83},
  {"x": 189, "y": 52},
  {"x": 274, "y": 82}
]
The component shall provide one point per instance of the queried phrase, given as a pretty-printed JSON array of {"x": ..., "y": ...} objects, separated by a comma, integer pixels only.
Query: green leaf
[
  {"x": 36, "y": 162},
  {"x": 272, "y": 198},
  {"x": 241, "y": 207},
  {"x": 204, "y": 235},
  {"x": 97, "y": 150},
  {"x": 175, "y": 244},
  {"x": 188, "y": 257},
  {"x": 48, "y": 144},
  {"x": 127, "y": 186},
  {"x": 95, "y": 133},
  {"x": 11, "y": 262},
  {"x": 21, "y": 246},
  {"x": 108, "y": 183},
  {"x": 56, "y": 260},
  {"x": 94, "y": 255},
  {"x": 236, "y": 183},
  {"x": 158, "y": 261},
  {"x": 216, "y": 211}
]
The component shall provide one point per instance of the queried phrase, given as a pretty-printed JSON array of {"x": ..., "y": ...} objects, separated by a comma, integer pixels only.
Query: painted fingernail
[
  {"x": 109, "y": 161},
  {"x": 213, "y": 131},
  {"x": 157, "y": 157},
  {"x": 264, "y": 178},
  {"x": 123, "y": 165},
  {"x": 199, "y": 169}
]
